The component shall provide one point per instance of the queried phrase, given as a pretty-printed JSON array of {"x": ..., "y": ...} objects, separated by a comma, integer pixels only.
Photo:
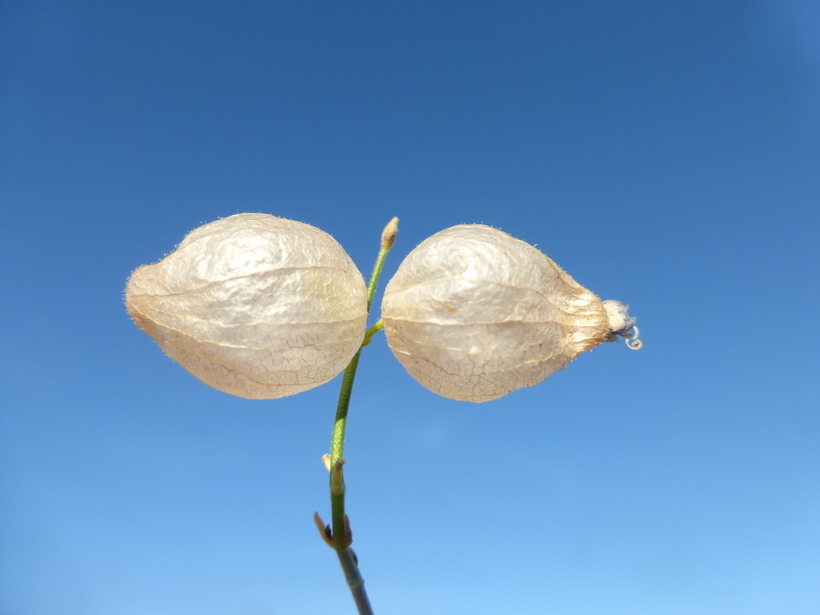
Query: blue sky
[{"x": 664, "y": 154}]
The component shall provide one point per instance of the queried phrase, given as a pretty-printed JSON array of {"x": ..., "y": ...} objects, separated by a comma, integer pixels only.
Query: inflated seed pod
[
  {"x": 254, "y": 305},
  {"x": 473, "y": 314}
]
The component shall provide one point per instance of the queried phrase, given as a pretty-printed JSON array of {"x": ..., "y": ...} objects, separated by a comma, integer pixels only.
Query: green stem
[
  {"x": 374, "y": 277},
  {"x": 337, "y": 442},
  {"x": 340, "y": 536}
]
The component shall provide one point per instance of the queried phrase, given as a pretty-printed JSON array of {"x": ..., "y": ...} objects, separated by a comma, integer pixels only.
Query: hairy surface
[
  {"x": 473, "y": 314},
  {"x": 254, "y": 305}
]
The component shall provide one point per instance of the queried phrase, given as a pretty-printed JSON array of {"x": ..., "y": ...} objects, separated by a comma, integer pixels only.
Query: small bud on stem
[{"x": 389, "y": 234}]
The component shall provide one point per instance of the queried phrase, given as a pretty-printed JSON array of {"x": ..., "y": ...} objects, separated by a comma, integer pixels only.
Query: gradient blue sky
[{"x": 665, "y": 154}]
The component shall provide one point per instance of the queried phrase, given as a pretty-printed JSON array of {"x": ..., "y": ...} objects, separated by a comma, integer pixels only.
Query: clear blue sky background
[{"x": 665, "y": 154}]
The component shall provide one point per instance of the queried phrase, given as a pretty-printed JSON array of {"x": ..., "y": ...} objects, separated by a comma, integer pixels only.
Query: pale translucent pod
[
  {"x": 254, "y": 305},
  {"x": 474, "y": 314}
]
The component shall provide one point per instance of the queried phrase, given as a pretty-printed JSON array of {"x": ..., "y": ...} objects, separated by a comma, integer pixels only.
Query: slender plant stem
[
  {"x": 374, "y": 277},
  {"x": 355, "y": 581},
  {"x": 339, "y": 535},
  {"x": 337, "y": 443}
]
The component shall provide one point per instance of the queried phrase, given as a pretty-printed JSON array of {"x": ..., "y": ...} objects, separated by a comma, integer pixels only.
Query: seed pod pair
[{"x": 262, "y": 307}]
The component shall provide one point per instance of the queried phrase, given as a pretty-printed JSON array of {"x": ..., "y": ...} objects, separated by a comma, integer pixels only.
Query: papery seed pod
[
  {"x": 254, "y": 305},
  {"x": 473, "y": 314}
]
